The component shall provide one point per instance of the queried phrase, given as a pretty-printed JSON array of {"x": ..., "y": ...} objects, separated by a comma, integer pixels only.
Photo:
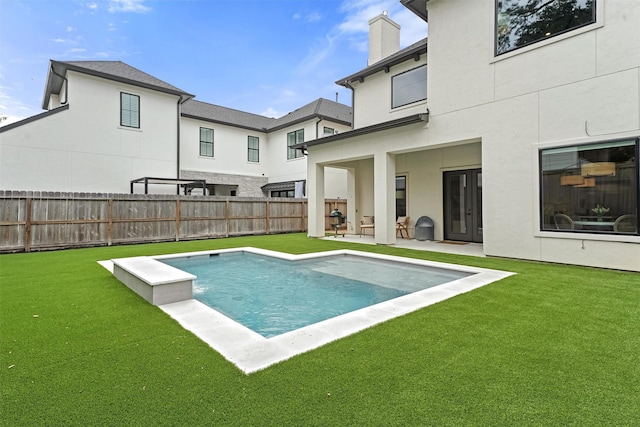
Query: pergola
[{"x": 184, "y": 183}]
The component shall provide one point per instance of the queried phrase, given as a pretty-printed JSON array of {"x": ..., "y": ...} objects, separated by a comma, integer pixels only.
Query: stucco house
[
  {"x": 516, "y": 125},
  {"x": 107, "y": 123}
]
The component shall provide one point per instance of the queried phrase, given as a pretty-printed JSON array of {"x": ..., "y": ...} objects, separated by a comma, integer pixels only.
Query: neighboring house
[
  {"x": 523, "y": 135},
  {"x": 108, "y": 123}
]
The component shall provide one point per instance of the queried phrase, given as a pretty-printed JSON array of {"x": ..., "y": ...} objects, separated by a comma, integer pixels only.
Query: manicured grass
[{"x": 552, "y": 345}]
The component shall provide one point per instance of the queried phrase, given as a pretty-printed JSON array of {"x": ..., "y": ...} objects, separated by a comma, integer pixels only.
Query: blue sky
[{"x": 262, "y": 56}]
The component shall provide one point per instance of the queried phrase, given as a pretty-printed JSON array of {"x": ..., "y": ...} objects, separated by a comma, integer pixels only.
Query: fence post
[
  {"x": 27, "y": 225},
  {"x": 226, "y": 217},
  {"x": 267, "y": 214},
  {"x": 177, "y": 220},
  {"x": 110, "y": 222}
]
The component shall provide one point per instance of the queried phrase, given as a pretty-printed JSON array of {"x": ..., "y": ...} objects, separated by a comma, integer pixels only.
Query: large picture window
[
  {"x": 206, "y": 142},
  {"x": 129, "y": 110},
  {"x": 591, "y": 188},
  {"x": 523, "y": 22},
  {"x": 295, "y": 137},
  {"x": 409, "y": 87}
]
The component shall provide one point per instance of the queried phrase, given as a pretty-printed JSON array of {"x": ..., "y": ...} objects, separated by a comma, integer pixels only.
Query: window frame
[
  {"x": 327, "y": 128},
  {"x": 595, "y": 18},
  {"x": 255, "y": 150},
  {"x": 404, "y": 73},
  {"x": 298, "y": 137},
  {"x": 200, "y": 152},
  {"x": 582, "y": 147},
  {"x": 122, "y": 110}
]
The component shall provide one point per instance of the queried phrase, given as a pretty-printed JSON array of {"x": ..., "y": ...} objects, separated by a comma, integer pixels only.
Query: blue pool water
[{"x": 272, "y": 296}]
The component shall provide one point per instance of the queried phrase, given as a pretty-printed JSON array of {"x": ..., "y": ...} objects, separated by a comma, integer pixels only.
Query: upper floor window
[
  {"x": 409, "y": 87},
  {"x": 523, "y": 22},
  {"x": 295, "y": 137},
  {"x": 206, "y": 142},
  {"x": 328, "y": 131},
  {"x": 129, "y": 110},
  {"x": 591, "y": 188},
  {"x": 253, "y": 147}
]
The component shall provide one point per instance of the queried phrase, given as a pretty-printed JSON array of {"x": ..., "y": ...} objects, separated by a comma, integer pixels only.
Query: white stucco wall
[
  {"x": 497, "y": 113},
  {"x": 85, "y": 149},
  {"x": 372, "y": 98},
  {"x": 230, "y": 149}
]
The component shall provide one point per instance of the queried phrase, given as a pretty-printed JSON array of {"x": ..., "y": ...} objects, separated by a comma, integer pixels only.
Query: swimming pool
[
  {"x": 272, "y": 296},
  {"x": 249, "y": 350}
]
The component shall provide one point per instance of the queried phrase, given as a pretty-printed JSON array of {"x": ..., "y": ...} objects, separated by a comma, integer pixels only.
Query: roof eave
[
  {"x": 403, "y": 121},
  {"x": 385, "y": 64},
  {"x": 65, "y": 67},
  {"x": 419, "y": 7},
  {"x": 221, "y": 122}
]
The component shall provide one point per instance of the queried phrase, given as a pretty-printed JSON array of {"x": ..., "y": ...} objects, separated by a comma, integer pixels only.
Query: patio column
[
  {"x": 315, "y": 197},
  {"x": 384, "y": 170},
  {"x": 352, "y": 216}
]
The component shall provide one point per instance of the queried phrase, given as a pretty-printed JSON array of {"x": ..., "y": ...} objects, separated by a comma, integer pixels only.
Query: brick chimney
[{"x": 384, "y": 38}]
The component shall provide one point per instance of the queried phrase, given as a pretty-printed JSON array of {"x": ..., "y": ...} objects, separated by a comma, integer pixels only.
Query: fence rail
[{"x": 31, "y": 221}]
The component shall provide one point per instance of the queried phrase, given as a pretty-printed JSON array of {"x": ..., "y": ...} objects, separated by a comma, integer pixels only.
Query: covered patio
[{"x": 458, "y": 248}]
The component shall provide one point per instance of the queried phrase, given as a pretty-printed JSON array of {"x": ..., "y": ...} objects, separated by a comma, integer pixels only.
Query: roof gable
[{"x": 110, "y": 70}]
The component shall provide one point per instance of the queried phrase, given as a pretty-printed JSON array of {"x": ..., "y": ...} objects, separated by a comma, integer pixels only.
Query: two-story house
[
  {"x": 107, "y": 124},
  {"x": 516, "y": 125}
]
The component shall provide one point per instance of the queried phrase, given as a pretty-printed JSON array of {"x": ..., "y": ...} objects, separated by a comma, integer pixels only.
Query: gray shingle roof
[
  {"x": 319, "y": 108},
  {"x": 121, "y": 72},
  {"x": 217, "y": 114},
  {"x": 111, "y": 70}
]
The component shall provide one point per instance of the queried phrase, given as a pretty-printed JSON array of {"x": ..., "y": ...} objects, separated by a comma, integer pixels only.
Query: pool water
[{"x": 272, "y": 296}]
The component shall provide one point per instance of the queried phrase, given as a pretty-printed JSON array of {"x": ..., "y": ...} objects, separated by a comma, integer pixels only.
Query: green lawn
[{"x": 552, "y": 345}]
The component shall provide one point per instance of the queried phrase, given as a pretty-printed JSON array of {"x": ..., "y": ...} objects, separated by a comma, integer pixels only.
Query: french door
[{"x": 463, "y": 205}]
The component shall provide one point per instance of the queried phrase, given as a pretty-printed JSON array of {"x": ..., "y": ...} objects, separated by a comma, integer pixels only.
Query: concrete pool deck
[{"x": 251, "y": 352}]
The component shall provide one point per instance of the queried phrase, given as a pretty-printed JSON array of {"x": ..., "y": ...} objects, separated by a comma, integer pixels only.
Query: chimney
[{"x": 384, "y": 38}]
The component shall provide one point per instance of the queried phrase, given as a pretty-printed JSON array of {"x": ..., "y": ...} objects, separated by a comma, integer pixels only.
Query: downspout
[
  {"x": 66, "y": 85},
  {"x": 320, "y": 118},
  {"x": 353, "y": 101},
  {"x": 181, "y": 101}
]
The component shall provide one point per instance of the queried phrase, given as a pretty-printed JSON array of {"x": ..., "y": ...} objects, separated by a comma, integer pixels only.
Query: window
[
  {"x": 282, "y": 193},
  {"x": 401, "y": 196},
  {"x": 591, "y": 188},
  {"x": 295, "y": 137},
  {"x": 206, "y": 142},
  {"x": 253, "y": 147},
  {"x": 129, "y": 110},
  {"x": 523, "y": 22},
  {"x": 409, "y": 87},
  {"x": 328, "y": 131}
]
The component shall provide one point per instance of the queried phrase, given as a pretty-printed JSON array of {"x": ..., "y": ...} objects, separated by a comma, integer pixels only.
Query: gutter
[
  {"x": 66, "y": 85},
  {"x": 403, "y": 121}
]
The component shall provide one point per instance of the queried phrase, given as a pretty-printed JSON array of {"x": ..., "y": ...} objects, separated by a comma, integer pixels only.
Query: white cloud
[
  {"x": 313, "y": 17},
  {"x": 70, "y": 29},
  {"x": 135, "y": 6},
  {"x": 271, "y": 112}
]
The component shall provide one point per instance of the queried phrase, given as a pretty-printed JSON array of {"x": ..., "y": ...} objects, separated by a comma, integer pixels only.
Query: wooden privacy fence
[{"x": 43, "y": 220}]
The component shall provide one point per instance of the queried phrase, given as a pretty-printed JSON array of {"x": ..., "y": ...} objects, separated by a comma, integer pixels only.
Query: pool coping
[{"x": 251, "y": 352}]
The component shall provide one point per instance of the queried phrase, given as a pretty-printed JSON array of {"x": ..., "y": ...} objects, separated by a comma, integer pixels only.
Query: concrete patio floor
[{"x": 459, "y": 248}]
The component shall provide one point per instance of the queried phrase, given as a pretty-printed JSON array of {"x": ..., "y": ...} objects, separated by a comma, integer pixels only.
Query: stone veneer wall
[{"x": 248, "y": 186}]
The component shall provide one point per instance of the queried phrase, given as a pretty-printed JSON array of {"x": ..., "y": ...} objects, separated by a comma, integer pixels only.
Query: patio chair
[
  {"x": 563, "y": 222},
  {"x": 402, "y": 225},
  {"x": 625, "y": 224},
  {"x": 365, "y": 223}
]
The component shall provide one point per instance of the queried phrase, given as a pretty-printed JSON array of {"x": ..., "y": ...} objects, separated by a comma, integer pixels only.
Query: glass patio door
[{"x": 463, "y": 205}]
